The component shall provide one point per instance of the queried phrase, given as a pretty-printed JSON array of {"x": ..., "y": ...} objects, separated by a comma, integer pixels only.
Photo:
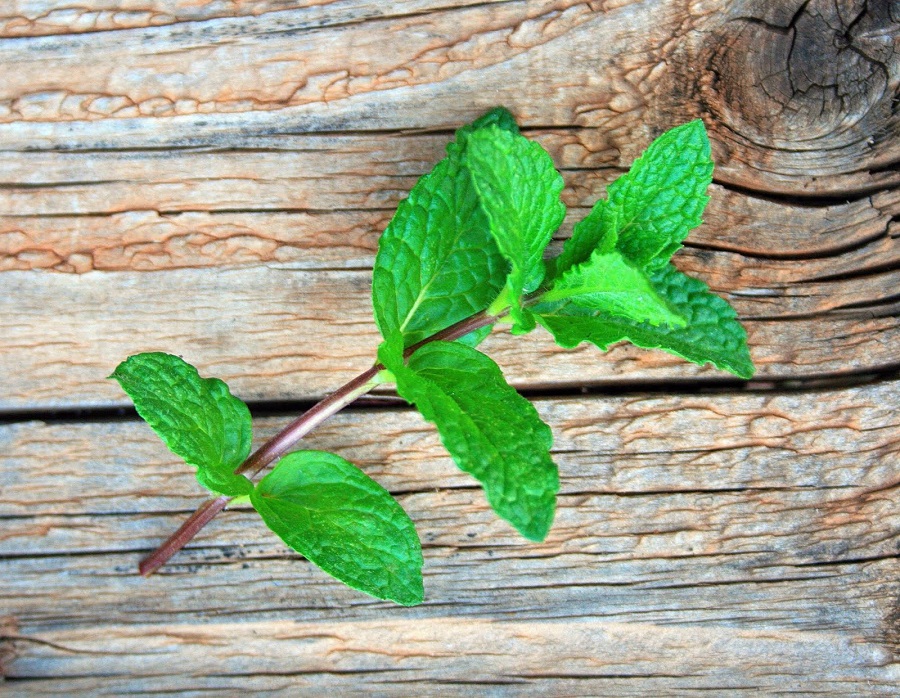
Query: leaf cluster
[{"x": 470, "y": 240}]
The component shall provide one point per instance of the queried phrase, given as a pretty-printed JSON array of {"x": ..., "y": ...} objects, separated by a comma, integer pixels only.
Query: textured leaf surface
[
  {"x": 489, "y": 429},
  {"x": 712, "y": 333},
  {"x": 606, "y": 282},
  {"x": 197, "y": 418},
  {"x": 595, "y": 232},
  {"x": 437, "y": 261},
  {"x": 519, "y": 190},
  {"x": 341, "y": 520},
  {"x": 650, "y": 210},
  {"x": 498, "y": 116},
  {"x": 476, "y": 337}
]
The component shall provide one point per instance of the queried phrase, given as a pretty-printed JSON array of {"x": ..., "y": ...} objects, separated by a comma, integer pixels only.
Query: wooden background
[{"x": 210, "y": 179}]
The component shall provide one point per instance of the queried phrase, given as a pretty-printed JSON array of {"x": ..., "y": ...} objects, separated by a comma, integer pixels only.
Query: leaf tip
[
  {"x": 744, "y": 369},
  {"x": 536, "y": 530},
  {"x": 414, "y": 597},
  {"x": 537, "y": 526},
  {"x": 498, "y": 116}
]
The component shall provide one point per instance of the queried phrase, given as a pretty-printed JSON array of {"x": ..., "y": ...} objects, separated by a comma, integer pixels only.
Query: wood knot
[{"x": 799, "y": 76}]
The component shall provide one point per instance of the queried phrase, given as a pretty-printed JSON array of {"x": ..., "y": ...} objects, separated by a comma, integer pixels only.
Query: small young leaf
[
  {"x": 519, "y": 190},
  {"x": 490, "y": 430},
  {"x": 607, "y": 282},
  {"x": 197, "y": 418},
  {"x": 595, "y": 233},
  {"x": 437, "y": 262},
  {"x": 650, "y": 210},
  {"x": 341, "y": 520},
  {"x": 498, "y": 116},
  {"x": 712, "y": 333}
]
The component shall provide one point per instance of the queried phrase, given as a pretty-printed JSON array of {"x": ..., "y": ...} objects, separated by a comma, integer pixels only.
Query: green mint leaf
[
  {"x": 475, "y": 337},
  {"x": 390, "y": 352},
  {"x": 595, "y": 232},
  {"x": 498, "y": 116},
  {"x": 519, "y": 190},
  {"x": 344, "y": 522},
  {"x": 197, "y": 418},
  {"x": 649, "y": 211},
  {"x": 490, "y": 430},
  {"x": 607, "y": 282},
  {"x": 437, "y": 262},
  {"x": 712, "y": 333}
]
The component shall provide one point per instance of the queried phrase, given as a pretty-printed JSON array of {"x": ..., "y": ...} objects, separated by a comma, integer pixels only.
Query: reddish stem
[
  {"x": 282, "y": 442},
  {"x": 188, "y": 530}
]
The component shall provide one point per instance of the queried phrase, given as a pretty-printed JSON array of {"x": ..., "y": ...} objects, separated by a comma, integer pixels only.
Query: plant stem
[
  {"x": 188, "y": 530},
  {"x": 282, "y": 442}
]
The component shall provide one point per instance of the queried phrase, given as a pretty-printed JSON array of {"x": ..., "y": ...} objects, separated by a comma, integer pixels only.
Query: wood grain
[
  {"x": 210, "y": 178},
  {"x": 720, "y": 442},
  {"x": 22, "y": 18},
  {"x": 261, "y": 214},
  {"x": 284, "y": 658},
  {"x": 285, "y": 313},
  {"x": 768, "y": 530},
  {"x": 282, "y": 333},
  {"x": 624, "y": 70}
]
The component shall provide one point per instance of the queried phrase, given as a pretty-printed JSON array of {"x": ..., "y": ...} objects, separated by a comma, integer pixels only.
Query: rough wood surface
[
  {"x": 278, "y": 294},
  {"x": 761, "y": 547},
  {"x": 210, "y": 178}
]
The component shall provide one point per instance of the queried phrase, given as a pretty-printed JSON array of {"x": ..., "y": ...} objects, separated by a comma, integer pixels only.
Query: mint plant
[{"x": 465, "y": 250}]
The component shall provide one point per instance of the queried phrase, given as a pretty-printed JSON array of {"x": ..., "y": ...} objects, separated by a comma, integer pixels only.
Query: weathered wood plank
[
  {"x": 661, "y": 62},
  {"x": 502, "y": 658},
  {"x": 275, "y": 332},
  {"x": 273, "y": 63},
  {"x": 319, "y": 173},
  {"x": 99, "y": 196},
  {"x": 42, "y": 18},
  {"x": 211, "y": 178},
  {"x": 760, "y": 549},
  {"x": 745, "y": 592},
  {"x": 828, "y": 440}
]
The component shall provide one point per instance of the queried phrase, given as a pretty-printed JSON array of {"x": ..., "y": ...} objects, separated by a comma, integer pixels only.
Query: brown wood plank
[
  {"x": 211, "y": 178},
  {"x": 611, "y": 444},
  {"x": 277, "y": 332},
  {"x": 505, "y": 582},
  {"x": 833, "y": 282},
  {"x": 662, "y": 63},
  {"x": 767, "y": 529},
  {"x": 102, "y": 195},
  {"x": 20, "y": 18},
  {"x": 457, "y": 657}
]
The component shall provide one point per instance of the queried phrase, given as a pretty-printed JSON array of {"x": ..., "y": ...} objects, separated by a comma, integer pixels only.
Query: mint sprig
[{"x": 464, "y": 250}]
